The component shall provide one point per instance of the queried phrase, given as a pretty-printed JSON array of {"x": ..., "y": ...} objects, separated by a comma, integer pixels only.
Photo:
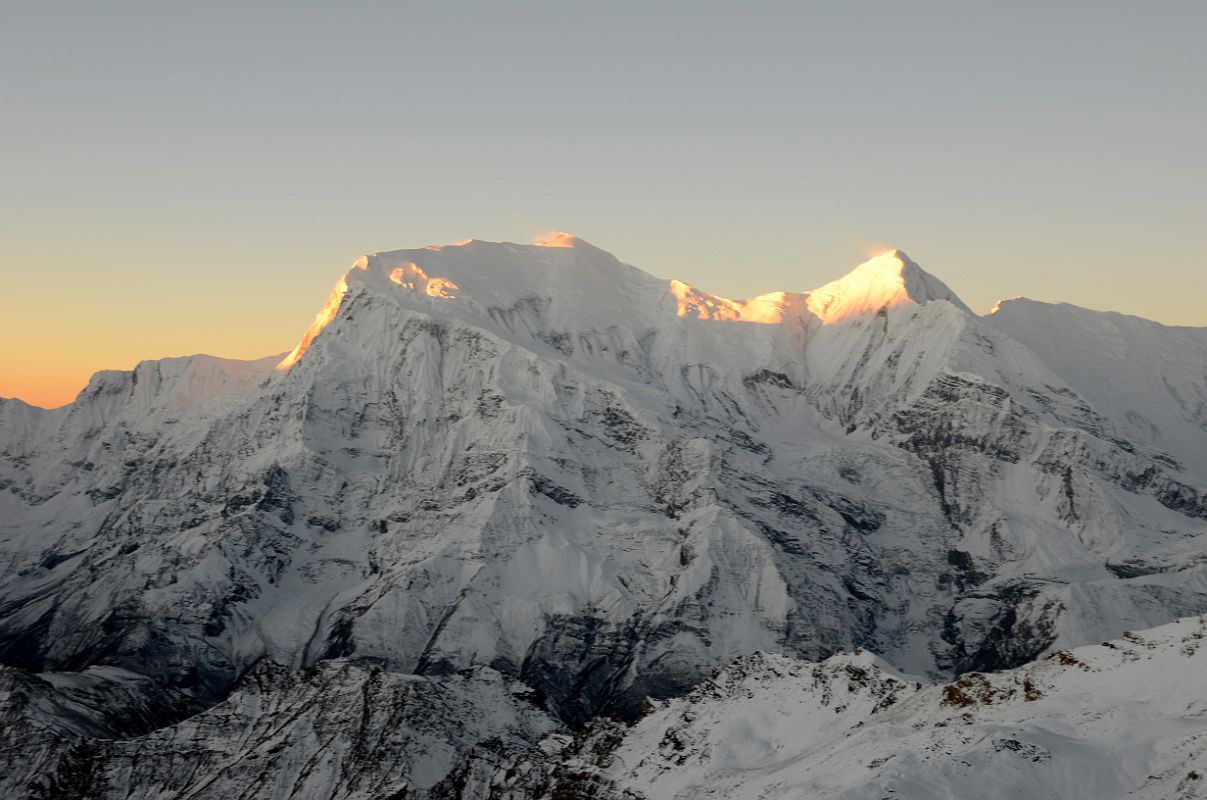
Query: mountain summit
[
  {"x": 574, "y": 285},
  {"x": 888, "y": 279}
]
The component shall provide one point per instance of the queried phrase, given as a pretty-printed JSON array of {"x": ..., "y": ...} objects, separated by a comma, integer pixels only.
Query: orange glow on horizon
[{"x": 46, "y": 391}]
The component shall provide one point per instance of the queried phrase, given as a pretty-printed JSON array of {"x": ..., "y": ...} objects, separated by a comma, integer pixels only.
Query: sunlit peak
[
  {"x": 890, "y": 258},
  {"x": 875, "y": 284},
  {"x": 322, "y": 319},
  {"x": 693, "y": 303},
  {"x": 556, "y": 239},
  {"x": 998, "y": 305},
  {"x": 411, "y": 276}
]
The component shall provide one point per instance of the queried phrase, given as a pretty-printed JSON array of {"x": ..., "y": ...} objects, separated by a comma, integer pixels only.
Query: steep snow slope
[
  {"x": 1147, "y": 379},
  {"x": 597, "y": 482}
]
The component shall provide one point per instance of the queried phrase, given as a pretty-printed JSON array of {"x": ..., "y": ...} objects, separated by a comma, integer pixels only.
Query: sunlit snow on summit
[
  {"x": 555, "y": 239},
  {"x": 591, "y": 286}
]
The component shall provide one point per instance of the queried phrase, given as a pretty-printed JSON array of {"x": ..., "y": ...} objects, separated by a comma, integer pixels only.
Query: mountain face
[{"x": 535, "y": 480}]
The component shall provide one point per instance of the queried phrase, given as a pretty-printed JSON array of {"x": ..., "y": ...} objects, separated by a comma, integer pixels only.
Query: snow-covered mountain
[{"x": 540, "y": 464}]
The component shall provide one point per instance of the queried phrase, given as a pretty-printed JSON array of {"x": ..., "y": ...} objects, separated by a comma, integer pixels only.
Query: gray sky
[{"x": 193, "y": 177}]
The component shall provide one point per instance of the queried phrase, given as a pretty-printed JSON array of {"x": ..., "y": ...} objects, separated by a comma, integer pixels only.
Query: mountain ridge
[{"x": 916, "y": 285}]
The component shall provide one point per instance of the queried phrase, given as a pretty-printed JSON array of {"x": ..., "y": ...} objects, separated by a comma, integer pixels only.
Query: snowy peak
[
  {"x": 574, "y": 283},
  {"x": 497, "y": 274},
  {"x": 574, "y": 286},
  {"x": 558, "y": 239},
  {"x": 890, "y": 279}
]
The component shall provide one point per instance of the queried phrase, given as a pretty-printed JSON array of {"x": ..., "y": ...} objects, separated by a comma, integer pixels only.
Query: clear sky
[{"x": 179, "y": 178}]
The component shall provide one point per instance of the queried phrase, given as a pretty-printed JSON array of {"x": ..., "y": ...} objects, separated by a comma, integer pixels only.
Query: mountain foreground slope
[
  {"x": 1127, "y": 718},
  {"x": 538, "y": 486}
]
